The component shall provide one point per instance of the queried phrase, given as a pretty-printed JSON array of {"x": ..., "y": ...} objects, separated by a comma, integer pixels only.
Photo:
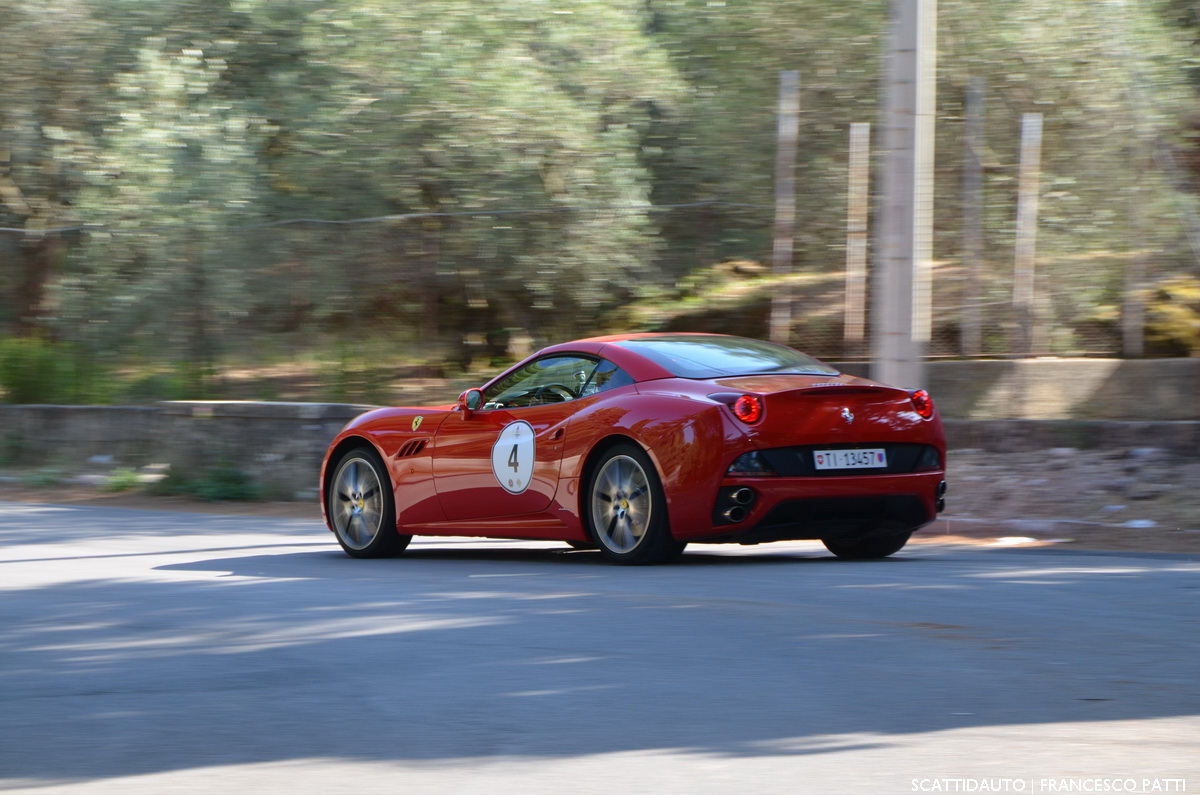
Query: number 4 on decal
[{"x": 514, "y": 455}]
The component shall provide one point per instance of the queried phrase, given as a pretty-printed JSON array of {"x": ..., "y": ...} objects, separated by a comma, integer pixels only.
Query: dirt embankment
[{"x": 1141, "y": 499}]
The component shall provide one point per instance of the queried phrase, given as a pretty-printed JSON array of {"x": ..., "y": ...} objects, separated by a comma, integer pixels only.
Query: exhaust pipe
[
  {"x": 734, "y": 505},
  {"x": 743, "y": 496}
]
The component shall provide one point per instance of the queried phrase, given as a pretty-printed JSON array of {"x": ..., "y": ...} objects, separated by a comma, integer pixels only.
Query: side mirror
[{"x": 470, "y": 401}]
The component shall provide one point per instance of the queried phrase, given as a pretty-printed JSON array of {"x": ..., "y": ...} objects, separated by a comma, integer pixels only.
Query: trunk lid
[{"x": 802, "y": 409}]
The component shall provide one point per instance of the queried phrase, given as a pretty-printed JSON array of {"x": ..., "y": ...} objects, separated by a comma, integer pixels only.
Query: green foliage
[
  {"x": 43, "y": 478},
  {"x": 173, "y": 483},
  {"x": 33, "y": 370},
  {"x": 121, "y": 480},
  {"x": 221, "y": 482},
  {"x": 1173, "y": 318},
  {"x": 225, "y": 482},
  {"x": 151, "y": 386},
  {"x": 178, "y": 131},
  {"x": 355, "y": 378}
]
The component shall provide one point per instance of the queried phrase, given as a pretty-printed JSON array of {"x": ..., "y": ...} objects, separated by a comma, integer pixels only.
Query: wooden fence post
[
  {"x": 857, "y": 199},
  {"x": 785, "y": 203}
]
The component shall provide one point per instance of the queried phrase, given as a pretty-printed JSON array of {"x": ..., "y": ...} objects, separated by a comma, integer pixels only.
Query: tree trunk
[{"x": 39, "y": 257}]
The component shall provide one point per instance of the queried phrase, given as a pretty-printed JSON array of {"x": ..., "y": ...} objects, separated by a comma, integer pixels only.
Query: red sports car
[{"x": 640, "y": 444}]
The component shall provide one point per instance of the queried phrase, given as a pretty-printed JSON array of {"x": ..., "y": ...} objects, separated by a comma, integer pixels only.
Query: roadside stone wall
[
  {"x": 1063, "y": 389},
  {"x": 1024, "y": 436},
  {"x": 278, "y": 445},
  {"x": 40, "y": 434},
  {"x": 994, "y": 406},
  {"x": 1069, "y": 389}
]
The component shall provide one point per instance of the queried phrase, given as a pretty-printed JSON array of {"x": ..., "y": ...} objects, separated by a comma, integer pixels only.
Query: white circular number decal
[{"x": 512, "y": 457}]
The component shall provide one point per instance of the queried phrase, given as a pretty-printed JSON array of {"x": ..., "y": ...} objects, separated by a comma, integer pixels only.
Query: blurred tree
[
  {"x": 464, "y": 111},
  {"x": 1111, "y": 82},
  {"x": 178, "y": 169},
  {"x": 51, "y": 59},
  {"x": 722, "y": 144},
  {"x": 227, "y": 113},
  {"x": 186, "y": 127}
]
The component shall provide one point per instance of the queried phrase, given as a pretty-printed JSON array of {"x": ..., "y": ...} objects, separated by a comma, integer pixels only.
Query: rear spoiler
[{"x": 834, "y": 388}]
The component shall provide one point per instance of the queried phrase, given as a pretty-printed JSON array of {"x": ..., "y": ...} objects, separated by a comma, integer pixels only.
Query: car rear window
[{"x": 717, "y": 357}]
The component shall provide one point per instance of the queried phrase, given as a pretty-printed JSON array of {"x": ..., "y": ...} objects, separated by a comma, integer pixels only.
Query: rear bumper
[{"x": 817, "y": 508}]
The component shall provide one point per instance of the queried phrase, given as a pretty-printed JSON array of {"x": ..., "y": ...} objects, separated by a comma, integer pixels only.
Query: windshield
[{"x": 705, "y": 356}]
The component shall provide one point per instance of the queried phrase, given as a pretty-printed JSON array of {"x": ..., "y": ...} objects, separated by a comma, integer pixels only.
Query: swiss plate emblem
[{"x": 417, "y": 420}]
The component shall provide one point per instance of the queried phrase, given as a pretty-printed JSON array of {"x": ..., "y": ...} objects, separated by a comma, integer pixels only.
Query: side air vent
[{"x": 412, "y": 448}]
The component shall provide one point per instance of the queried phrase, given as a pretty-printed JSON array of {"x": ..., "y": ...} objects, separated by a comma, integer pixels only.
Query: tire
[
  {"x": 361, "y": 507},
  {"x": 626, "y": 510},
  {"x": 866, "y": 548}
]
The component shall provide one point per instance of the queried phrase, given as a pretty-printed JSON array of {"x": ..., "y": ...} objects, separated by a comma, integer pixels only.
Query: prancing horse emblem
[
  {"x": 848, "y": 416},
  {"x": 417, "y": 422}
]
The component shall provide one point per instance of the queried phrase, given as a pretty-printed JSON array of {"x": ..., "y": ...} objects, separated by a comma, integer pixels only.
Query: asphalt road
[{"x": 145, "y": 651}]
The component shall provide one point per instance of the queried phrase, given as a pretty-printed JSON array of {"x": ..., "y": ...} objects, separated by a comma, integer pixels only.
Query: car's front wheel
[
  {"x": 627, "y": 511},
  {"x": 361, "y": 508},
  {"x": 866, "y": 548}
]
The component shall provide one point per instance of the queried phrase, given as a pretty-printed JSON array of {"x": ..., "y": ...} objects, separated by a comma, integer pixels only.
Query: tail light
[
  {"x": 747, "y": 408},
  {"x": 922, "y": 402}
]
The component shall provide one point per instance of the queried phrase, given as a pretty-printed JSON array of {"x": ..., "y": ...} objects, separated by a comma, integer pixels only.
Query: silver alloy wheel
[
  {"x": 356, "y": 502},
  {"x": 622, "y": 504}
]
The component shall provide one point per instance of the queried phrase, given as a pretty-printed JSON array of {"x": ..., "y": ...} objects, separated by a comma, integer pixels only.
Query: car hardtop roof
[
  {"x": 595, "y": 345},
  {"x": 636, "y": 335},
  {"x": 635, "y": 363}
]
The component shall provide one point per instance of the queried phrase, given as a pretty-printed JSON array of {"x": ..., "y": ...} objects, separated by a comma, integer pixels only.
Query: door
[{"x": 503, "y": 459}]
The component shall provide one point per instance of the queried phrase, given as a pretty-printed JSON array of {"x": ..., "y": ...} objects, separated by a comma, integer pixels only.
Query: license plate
[{"x": 850, "y": 459}]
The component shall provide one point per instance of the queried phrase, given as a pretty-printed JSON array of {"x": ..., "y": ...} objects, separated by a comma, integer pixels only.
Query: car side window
[
  {"x": 606, "y": 376},
  {"x": 554, "y": 379}
]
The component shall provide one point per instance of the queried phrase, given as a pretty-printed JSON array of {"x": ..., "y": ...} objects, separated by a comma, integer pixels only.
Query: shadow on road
[{"x": 190, "y": 656}]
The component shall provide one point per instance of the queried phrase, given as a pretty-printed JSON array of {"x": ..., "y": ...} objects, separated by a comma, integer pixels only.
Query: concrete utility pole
[
  {"x": 1028, "y": 332},
  {"x": 900, "y": 324},
  {"x": 785, "y": 202}
]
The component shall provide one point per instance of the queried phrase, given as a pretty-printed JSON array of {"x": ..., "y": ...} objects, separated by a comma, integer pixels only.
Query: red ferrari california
[{"x": 640, "y": 444}]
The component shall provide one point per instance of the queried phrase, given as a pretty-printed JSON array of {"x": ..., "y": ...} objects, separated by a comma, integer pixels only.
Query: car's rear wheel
[
  {"x": 361, "y": 508},
  {"x": 866, "y": 548},
  {"x": 627, "y": 511}
]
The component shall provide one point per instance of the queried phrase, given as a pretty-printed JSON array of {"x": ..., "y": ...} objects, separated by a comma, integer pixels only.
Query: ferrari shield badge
[{"x": 417, "y": 420}]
